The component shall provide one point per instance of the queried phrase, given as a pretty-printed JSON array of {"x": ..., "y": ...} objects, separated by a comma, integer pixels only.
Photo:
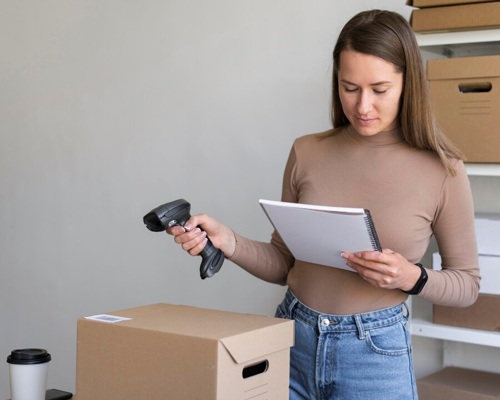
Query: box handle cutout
[
  {"x": 255, "y": 369},
  {"x": 479, "y": 87}
]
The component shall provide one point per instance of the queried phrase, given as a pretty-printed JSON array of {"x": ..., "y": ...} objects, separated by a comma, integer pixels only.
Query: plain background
[{"x": 111, "y": 108}]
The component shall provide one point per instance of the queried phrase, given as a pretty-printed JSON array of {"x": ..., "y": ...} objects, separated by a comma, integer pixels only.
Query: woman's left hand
[{"x": 386, "y": 269}]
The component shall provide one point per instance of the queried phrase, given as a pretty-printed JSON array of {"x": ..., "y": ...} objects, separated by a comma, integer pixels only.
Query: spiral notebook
[{"x": 319, "y": 234}]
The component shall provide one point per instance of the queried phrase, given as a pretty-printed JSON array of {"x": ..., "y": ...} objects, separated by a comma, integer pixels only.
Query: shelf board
[
  {"x": 464, "y": 37},
  {"x": 474, "y": 169},
  {"x": 427, "y": 329},
  {"x": 461, "y": 44}
]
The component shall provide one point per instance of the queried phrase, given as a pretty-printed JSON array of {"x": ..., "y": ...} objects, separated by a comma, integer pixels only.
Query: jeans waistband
[{"x": 343, "y": 323}]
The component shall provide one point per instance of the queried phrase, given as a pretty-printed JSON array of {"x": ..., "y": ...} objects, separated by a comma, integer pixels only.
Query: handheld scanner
[{"x": 177, "y": 213}]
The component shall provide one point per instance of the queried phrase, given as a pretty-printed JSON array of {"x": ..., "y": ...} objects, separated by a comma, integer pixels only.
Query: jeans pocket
[{"x": 391, "y": 340}]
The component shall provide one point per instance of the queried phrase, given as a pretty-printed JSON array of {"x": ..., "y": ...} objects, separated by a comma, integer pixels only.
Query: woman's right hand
[{"x": 193, "y": 239}]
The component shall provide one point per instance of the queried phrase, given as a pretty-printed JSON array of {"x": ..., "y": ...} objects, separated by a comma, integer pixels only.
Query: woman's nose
[{"x": 365, "y": 103}]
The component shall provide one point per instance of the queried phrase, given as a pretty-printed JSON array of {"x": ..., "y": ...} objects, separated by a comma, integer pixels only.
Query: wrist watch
[{"x": 420, "y": 282}]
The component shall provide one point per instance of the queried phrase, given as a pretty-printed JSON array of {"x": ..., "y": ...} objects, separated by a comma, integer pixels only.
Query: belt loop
[
  {"x": 359, "y": 325},
  {"x": 405, "y": 308},
  {"x": 293, "y": 301}
]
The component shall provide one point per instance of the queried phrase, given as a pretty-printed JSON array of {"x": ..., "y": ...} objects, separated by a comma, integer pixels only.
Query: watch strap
[{"x": 419, "y": 285}]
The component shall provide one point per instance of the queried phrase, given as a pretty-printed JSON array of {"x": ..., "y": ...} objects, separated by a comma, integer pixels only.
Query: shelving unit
[{"x": 460, "y": 343}]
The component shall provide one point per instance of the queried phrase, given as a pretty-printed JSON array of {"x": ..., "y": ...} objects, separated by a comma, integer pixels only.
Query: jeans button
[{"x": 325, "y": 322}]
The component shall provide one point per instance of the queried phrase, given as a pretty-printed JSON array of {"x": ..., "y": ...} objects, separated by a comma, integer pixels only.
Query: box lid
[
  {"x": 465, "y": 67},
  {"x": 461, "y": 17},
  {"x": 245, "y": 336}
]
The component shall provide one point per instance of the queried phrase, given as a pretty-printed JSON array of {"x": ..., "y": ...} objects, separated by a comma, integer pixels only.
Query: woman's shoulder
[
  {"x": 432, "y": 160},
  {"x": 313, "y": 140}
]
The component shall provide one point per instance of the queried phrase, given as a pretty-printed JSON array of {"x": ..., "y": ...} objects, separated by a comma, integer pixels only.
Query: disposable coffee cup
[{"x": 28, "y": 373}]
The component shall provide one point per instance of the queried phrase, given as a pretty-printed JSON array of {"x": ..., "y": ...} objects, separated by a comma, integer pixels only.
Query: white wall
[{"x": 110, "y": 108}]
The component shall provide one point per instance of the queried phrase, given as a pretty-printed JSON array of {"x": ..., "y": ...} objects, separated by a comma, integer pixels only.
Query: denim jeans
[{"x": 349, "y": 357}]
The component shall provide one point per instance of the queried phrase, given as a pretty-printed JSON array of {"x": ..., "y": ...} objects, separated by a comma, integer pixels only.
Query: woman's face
[{"x": 370, "y": 90}]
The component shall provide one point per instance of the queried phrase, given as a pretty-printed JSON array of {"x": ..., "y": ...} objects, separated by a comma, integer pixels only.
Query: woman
[{"x": 384, "y": 154}]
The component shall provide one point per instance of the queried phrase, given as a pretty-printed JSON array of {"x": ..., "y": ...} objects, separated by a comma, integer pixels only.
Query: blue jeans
[{"x": 349, "y": 357}]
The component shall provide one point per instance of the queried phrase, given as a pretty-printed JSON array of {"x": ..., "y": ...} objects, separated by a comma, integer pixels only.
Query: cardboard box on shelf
[
  {"x": 456, "y": 18},
  {"x": 483, "y": 314},
  {"x": 164, "y": 351},
  {"x": 439, "y": 3},
  {"x": 465, "y": 97},
  {"x": 459, "y": 384}
]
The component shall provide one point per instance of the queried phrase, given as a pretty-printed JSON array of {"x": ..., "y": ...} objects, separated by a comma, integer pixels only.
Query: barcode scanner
[{"x": 177, "y": 213}]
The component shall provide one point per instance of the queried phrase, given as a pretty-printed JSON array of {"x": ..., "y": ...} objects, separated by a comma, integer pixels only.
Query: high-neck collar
[{"x": 385, "y": 138}]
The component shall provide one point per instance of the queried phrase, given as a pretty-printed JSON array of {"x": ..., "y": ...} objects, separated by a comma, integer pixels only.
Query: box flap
[
  {"x": 259, "y": 342},
  {"x": 462, "y": 68}
]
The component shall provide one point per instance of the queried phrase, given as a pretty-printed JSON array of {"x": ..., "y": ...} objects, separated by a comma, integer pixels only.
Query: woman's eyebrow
[{"x": 371, "y": 84}]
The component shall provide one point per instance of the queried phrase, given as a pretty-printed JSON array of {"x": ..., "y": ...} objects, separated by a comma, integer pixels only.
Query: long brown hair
[{"x": 387, "y": 35}]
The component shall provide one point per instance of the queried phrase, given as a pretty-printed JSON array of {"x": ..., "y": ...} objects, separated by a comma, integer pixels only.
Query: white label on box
[{"x": 108, "y": 318}]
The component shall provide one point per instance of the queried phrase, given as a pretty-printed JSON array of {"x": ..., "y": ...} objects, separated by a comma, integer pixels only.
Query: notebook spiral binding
[{"x": 371, "y": 230}]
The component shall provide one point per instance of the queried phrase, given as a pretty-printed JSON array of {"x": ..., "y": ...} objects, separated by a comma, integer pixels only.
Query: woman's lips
[{"x": 365, "y": 121}]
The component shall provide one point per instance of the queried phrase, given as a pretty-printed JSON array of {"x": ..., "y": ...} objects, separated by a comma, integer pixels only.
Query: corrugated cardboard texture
[
  {"x": 466, "y": 99},
  {"x": 456, "y": 18},
  {"x": 177, "y": 352},
  {"x": 439, "y": 3},
  {"x": 483, "y": 314},
  {"x": 459, "y": 384}
]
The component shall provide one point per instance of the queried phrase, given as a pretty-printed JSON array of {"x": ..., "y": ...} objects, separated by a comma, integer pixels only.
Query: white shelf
[
  {"x": 427, "y": 329},
  {"x": 469, "y": 43},
  {"x": 460, "y": 38},
  {"x": 482, "y": 169}
]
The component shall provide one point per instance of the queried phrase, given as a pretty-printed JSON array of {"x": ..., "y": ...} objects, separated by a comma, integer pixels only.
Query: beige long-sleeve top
[{"x": 411, "y": 197}]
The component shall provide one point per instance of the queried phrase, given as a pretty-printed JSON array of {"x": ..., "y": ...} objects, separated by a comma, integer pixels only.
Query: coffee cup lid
[{"x": 28, "y": 356}]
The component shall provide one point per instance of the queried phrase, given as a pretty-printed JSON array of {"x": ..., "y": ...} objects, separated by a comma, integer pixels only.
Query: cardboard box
[
  {"x": 489, "y": 268},
  {"x": 466, "y": 98},
  {"x": 454, "y": 383},
  {"x": 488, "y": 234},
  {"x": 175, "y": 352},
  {"x": 456, "y": 18},
  {"x": 438, "y": 3},
  {"x": 483, "y": 314}
]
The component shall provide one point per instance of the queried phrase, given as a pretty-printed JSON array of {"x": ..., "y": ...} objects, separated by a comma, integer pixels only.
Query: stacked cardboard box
[
  {"x": 465, "y": 97},
  {"x": 484, "y": 313},
  {"x": 454, "y": 15},
  {"x": 164, "y": 351},
  {"x": 459, "y": 384}
]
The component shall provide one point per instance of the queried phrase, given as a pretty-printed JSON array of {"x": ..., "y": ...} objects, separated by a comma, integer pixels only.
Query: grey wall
[{"x": 110, "y": 108}]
